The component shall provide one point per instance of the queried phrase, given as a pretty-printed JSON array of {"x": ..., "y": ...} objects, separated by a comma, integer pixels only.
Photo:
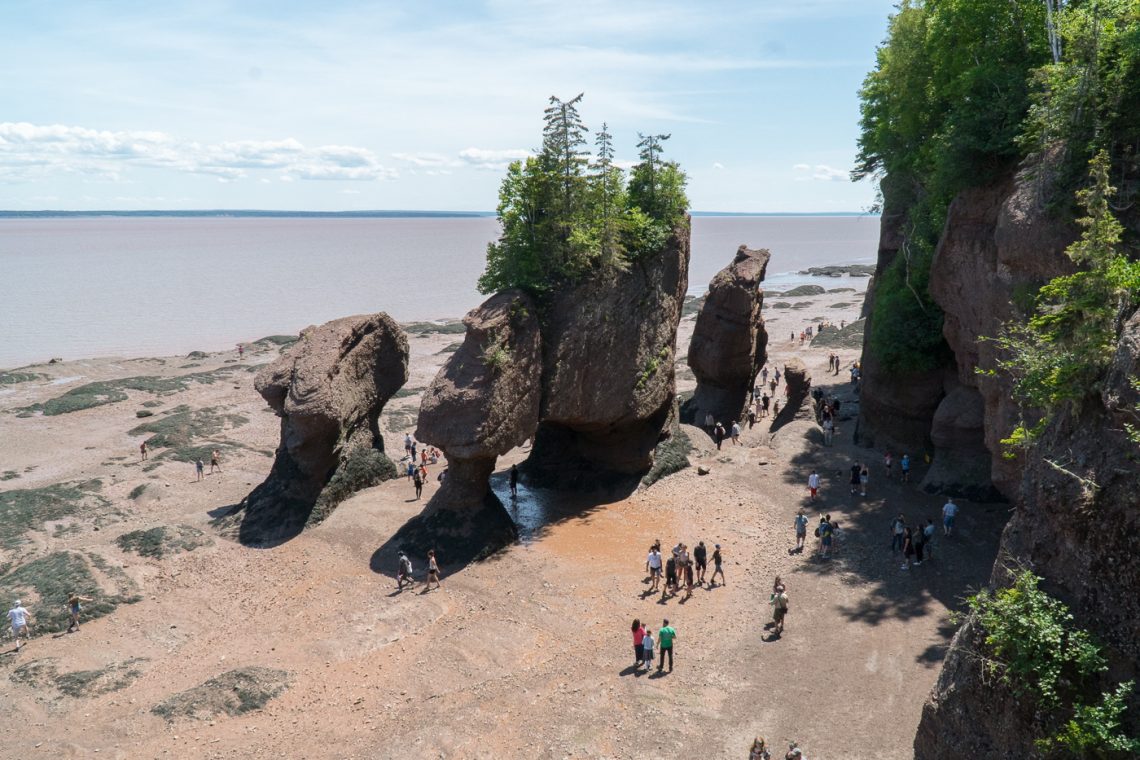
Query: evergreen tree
[
  {"x": 564, "y": 160},
  {"x": 609, "y": 202}
]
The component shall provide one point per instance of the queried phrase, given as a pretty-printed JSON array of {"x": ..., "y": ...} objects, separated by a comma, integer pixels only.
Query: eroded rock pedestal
[
  {"x": 328, "y": 389},
  {"x": 729, "y": 344},
  {"x": 609, "y": 348},
  {"x": 483, "y": 403}
]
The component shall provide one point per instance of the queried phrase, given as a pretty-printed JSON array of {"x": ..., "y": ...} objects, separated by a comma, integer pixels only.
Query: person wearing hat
[
  {"x": 717, "y": 568},
  {"x": 18, "y": 618}
]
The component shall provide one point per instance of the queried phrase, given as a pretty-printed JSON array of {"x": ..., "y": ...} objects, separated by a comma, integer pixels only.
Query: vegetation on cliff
[
  {"x": 565, "y": 214},
  {"x": 1037, "y": 650},
  {"x": 1060, "y": 355},
  {"x": 965, "y": 91}
]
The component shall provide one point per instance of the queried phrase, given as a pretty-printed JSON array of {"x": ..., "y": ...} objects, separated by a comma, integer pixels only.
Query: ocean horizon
[{"x": 83, "y": 286}]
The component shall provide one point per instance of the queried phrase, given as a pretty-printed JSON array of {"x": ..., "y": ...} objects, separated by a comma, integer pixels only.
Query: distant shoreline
[{"x": 413, "y": 214}]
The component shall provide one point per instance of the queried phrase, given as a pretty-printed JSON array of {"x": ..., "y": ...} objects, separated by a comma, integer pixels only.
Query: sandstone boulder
[
  {"x": 485, "y": 399},
  {"x": 797, "y": 403},
  {"x": 609, "y": 347},
  {"x": 328, "y": 390},
  {"x": 729, "y": 342}
]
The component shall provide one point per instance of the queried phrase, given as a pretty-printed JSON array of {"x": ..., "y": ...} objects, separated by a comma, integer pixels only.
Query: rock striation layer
[
  {"x": 729, "y": 343},
  {"x": 328, "y": 390}
]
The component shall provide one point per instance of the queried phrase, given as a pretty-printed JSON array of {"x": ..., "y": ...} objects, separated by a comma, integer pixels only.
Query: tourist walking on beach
[
  {"x": 813, "y": 485},
  {"x": 665, "y": 637},
  {"x": 828, "y": 431},
  {"x": 215, "y": 463},
  {"x": 709, "y": 422},
  {"x": 433, "y": 570},
  {"x": 404, "y": 574},
  {"x": 647, "y": 648},
  {"x": 949, "y": 512},
  {"x": 856, "y": 470},
  {"x": 514, "y": 480},
  {"x": 759, "y": 750},
  {"x": 718, "y": 435},
  {"x": 735, "y": 433},
  {"x": 826, "y": 536},
  {"x": 200, "y": 468},
  {"x": 794, "y": 752},
  {"x": 779, "y": 602},
  {"x": 700, "y": 554},
  {"x": 898, "y": 532},
  {"x": 74, "y": 607},
  {"x": 801, "y": 523},
  {"x": 638, "y": 636},
  {"x": 928, "y": 538},
  {"x": 918, "y": 537},
  {"x": 751, "y": 417},
  {"x": 864, "y": 479},
  {"x": 888, "y": 464},
  {"x": 765, "y": 401},
  {"x": 908, "y": 548},
  {"x": 408, "y": 444},
  {"x": 653, "y": 567},
  {"x": 718, "y": 569},
  {"x": 142, "y": 450},
  {"x": 18, "y": 619},
  {"x": 688, "y": 578},
  {"x": 904, "y": 467},
  {"x": 764, "y": 376},
  {"x": 418, "y": 482}
]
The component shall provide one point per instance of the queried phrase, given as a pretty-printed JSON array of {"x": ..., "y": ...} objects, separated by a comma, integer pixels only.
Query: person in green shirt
[{"x": 665, "y": 636}]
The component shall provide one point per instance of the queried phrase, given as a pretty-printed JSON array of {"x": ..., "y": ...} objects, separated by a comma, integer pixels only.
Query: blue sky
[{"x": 391, "y": 105}]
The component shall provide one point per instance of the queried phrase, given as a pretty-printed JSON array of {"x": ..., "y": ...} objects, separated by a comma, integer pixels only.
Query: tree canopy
[
  {"x": 966, "y": 91},
  {"x": 566, "y": 214}
]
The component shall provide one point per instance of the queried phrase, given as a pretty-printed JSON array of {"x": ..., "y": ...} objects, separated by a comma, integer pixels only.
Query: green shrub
[{"x": 1038, "y": 651}]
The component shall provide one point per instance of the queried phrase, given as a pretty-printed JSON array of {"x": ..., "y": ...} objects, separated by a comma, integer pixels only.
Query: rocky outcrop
[
  {"x": 328, "y": 390},
  {"x": 729, "y": 343},
  {"x": 485, "y": 399},
  {"x": 961, "y": 460},
  {"x": 999, "y": 246},
  {"x": 1077, "y": 525},
  {"x": 609, "y": 348}
]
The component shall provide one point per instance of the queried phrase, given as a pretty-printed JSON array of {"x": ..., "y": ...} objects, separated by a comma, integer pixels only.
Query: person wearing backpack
[
  {"x": 779, "y": 609},
  {"x": 418, "y": 482}
]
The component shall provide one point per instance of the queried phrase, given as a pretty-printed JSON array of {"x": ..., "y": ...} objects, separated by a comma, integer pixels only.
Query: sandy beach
[{"x": 527, "y": 654}]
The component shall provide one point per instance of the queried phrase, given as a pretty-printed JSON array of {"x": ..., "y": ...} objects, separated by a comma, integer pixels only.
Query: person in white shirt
[
  {"x": 647, "y": 648},
  {"x": 813, "y": 484},
  {"x": 949, "y": 512},
  {"x": 653, "y": 567},
  {"x": 18, "y": 619}
]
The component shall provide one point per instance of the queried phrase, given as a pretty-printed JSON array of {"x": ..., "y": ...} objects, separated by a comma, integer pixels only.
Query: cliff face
[
  {"x": 895, "y": 408},
  {"x": 997, "y": 249},
  {"x": 1077, "y": 525}
]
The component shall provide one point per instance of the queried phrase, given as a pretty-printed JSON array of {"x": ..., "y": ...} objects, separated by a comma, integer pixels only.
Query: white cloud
[
  {"x": 821, "y": 172},
  {"x": 426, "y": 159},
  {"x": 717, "y": 165},
  {"x": 483, "y": 158},
  {"x": 31, "y": 150}
]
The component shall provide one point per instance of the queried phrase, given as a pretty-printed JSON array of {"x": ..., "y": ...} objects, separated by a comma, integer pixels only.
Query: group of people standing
[{"x": 682, "y": 569}]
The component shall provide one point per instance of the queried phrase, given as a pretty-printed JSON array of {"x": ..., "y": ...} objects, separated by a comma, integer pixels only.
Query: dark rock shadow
[{"x": 863, "y": 555}]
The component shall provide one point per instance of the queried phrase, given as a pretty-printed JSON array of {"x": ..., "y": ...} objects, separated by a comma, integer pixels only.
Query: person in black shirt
[{"x": 701, "y": 556}]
